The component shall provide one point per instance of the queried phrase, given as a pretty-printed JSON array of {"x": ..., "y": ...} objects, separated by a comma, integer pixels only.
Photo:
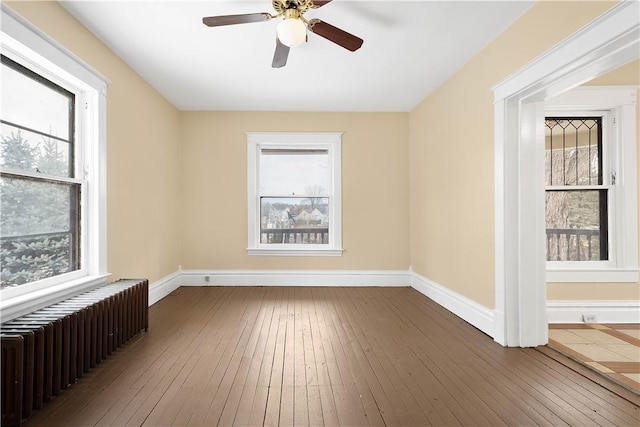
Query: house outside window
[
  {"x": 52, "y": 170},
  {"x": 591, "y": 202},
  {"x": 294, "y": 193}
]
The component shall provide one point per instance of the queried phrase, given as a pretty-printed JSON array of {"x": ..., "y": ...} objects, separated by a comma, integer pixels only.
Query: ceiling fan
[{"x": 292, "y": 31}]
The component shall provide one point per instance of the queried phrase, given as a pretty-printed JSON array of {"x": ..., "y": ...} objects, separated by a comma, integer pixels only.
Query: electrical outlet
[
  {"x": 206, "y": 279},
  {"x": 589, "y": 318}
]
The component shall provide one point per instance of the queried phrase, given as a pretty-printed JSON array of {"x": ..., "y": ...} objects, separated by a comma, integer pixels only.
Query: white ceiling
[{"x": 410, "y": 48}]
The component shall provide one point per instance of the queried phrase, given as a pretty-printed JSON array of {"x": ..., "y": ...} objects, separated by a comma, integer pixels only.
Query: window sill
[
  {"x": 294, "y": 252},
  {"x": 10, "y": 308},
  {"x": 593, "y": 275}
]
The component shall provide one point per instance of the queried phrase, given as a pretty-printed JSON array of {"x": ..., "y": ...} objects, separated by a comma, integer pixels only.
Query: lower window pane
[
  {"x": 39, "y": 229},
  {"x": 294, "y": 220},
  {"x": 576, "y": 223}
]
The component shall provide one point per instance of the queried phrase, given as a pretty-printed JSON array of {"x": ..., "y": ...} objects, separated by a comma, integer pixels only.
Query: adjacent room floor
[{"x": 612, "y": 350}]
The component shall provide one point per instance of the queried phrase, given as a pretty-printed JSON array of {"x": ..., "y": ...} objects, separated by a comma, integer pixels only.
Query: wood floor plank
[
  {"x": 359, "y": 369},
  {"x": 301, "y": 402},
  {"x": 237, "y": 363},
  {"x": 423, "y": 384},
  {"x": 214, "y": 391},
  {"x": 434, "y": 317},
  {"x": 214, "y": 339},
  {"x": 245, "y": 380},
  {"x": 383, "y": 379},
  {"x": 252, "y": 402},
  {"x": 285, "y": 356},
  {"x": 582, "y": 415},
  {"x": 430, "y": 352},
  {"x": 274, "y": 395}
]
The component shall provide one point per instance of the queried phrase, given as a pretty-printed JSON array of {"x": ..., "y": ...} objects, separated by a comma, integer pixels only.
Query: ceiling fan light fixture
[{"x": 292, "y": 32}]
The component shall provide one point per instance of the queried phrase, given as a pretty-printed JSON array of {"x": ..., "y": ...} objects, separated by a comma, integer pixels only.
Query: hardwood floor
[{"x": 326, "y": 356}]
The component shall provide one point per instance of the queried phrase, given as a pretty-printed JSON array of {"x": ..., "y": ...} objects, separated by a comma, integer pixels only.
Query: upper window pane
[
  {"x": 37, "y": 122},
  {"x": 573, "y": 151},
  {"x": 294, "y": 172},
  {"x": 33, "y": 102}
]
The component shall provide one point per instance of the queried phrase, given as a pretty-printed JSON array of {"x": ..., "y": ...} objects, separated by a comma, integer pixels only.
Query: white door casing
[{"x": 606, "y": 43}]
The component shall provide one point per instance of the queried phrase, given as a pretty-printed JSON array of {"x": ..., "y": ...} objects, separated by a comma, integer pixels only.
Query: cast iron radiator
[{"x": 46, "y": 351}]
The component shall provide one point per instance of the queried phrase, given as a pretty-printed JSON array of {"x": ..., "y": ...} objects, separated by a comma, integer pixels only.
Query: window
[
  {"x": 576, "y": 190},
  {"x": 294, "y": 194},
  {"x": 591, "y": 186},
  {"x": 52, "y": 170},
  {"x": 39, "y": 191}
]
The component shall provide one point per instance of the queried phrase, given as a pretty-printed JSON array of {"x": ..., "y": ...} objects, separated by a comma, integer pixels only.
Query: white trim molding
[
  {"x": 608, "y": 42},
  {"x": 586, "y": 275},
  {"x": 163, "y": 287},
  {"x": 10, "y": 308},
  {"x": 626, "y": 311},
  {"x": 259, "y": 141},
  {"x": 387, "y": 278},
  {"x": 468, "y": 310}
]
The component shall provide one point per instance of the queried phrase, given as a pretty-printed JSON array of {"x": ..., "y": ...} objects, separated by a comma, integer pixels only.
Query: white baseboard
[
  {"x": 294, "y": 278},
  {"x": 163, "y": 287},
  {"x": 468, "y": 310},
  {"x": 605, "y": 311}
]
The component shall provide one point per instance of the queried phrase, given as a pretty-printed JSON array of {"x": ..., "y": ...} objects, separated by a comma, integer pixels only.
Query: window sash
[
  {"x": 568, "y": 152},
  {"x": 570, "y": 129},
  {"x": 298, "y": 237},
  {"x": 22, "y": 264},
  {"x": 63, "y": 253},
  {"x": 575, "y": 244}
]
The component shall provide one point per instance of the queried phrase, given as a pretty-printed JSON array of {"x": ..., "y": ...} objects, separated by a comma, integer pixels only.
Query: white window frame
[
  {"x": 330, "y": 141},
  {"x": 27, "y": 45},
  {"x": 617, "y": 105}
]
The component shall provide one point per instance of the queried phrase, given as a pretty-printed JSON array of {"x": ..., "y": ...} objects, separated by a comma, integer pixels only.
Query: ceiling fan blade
[
  {"x": 218, "y": 21},
  {"x": 319, "y": 3},
  {"x": 335, "y": 34},
  {"x": 280, "y": 55}
]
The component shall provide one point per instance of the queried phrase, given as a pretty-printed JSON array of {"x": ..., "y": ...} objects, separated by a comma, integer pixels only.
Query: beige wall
[
  {"x": 143, "y": 153},
  {"x": 417, "y": 187},
  {"x": 452, "y": 153},
  {"x": 628, "y": 74},
  {"x": 375, "y": 189}
]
